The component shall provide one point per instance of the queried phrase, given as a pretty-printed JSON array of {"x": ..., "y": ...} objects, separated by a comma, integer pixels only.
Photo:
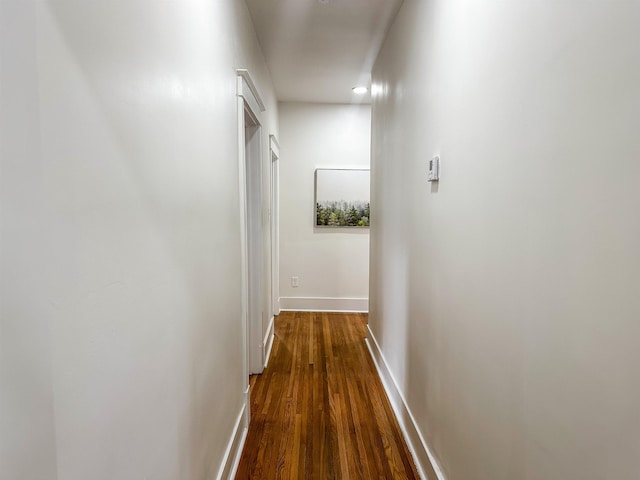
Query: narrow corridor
[{"x": 319, "y": 409}]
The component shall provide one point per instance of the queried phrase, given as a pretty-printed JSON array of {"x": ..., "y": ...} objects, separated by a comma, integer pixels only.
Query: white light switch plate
[{"x": 434, "y": 169}]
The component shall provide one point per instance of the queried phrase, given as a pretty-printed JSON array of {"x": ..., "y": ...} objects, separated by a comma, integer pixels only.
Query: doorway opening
[
  {"x": 275, "y": 225},
  {"x": 254, "y": 282},
  {"x": 253, "y": 202}
]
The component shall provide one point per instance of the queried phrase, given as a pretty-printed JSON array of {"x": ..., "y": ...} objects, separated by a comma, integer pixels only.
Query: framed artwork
[{"x": 342, "y": 197}]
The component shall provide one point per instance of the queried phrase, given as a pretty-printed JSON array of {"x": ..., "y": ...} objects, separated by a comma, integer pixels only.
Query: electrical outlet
[{"x": 295, "y": 281}]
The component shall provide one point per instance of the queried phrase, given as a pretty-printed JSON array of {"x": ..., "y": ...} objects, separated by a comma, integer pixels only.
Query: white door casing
[
  {"x": 274, "y": 148},
  {"x": 250, "y": 107}
]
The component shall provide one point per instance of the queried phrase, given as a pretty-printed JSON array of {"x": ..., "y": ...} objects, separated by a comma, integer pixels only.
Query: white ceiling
[{"x": 317, "y": 50}]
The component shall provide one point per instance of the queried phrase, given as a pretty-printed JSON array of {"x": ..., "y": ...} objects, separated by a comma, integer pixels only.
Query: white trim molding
[
  {"x": 274, "y": 145},
  {"x": 250, "y": 105},
  {"x": 267, "y": 343},
  {"x": 248, "y": 81},
  {"x": 232, "y": 455},
  {"x": 426, "y": 463},
  {"x": 324, "y": 304},
  {"x": 274, "y": 224}
]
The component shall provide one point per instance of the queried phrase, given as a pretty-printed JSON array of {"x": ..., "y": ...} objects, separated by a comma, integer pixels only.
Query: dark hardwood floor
[{"x": 319, "y": 410}]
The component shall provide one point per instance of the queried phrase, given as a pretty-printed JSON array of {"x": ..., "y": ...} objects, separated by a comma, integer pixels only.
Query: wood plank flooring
[{"x": 319, "y": 410}]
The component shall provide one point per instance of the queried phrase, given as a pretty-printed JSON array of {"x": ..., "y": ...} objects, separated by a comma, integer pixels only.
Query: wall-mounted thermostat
[{"x": 434, "y": 169}]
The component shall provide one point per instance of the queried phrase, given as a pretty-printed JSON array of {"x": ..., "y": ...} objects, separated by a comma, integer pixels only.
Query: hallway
[
  {"x": 319, "y": 410},
  {"x": 160, "y": 165}
]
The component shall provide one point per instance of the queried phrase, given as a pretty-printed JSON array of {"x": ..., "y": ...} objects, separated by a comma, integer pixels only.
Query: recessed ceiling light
[{"x": 359, "y": 90}]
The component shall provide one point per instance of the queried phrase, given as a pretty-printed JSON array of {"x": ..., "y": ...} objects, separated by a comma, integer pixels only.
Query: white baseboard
[
  {"x": 324, "y": 304},
  {"x": 426, "y": 463},
  {"x": 232, "y": 455},
  {"x": 267, "y": 343}
]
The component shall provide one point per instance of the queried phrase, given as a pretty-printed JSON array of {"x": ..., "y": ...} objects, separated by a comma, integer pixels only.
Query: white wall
[
  {"x": 506, "y": 299},
  {"x": 120, "y": 328},
  {"x": 332, "y": 264}
]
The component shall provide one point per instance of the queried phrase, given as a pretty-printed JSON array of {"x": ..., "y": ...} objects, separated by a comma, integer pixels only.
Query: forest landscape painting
[{"x": 342, "y": 198}]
